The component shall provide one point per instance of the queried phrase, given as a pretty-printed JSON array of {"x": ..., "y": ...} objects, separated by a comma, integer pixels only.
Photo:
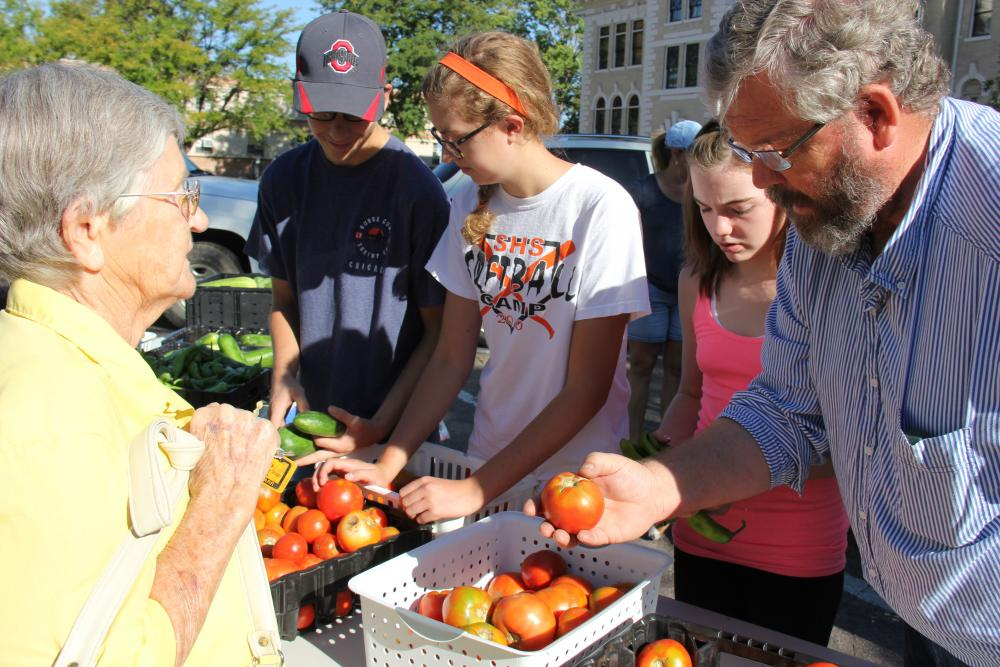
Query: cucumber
[
  {"x": 230, "y": 348},
  {"x": 295, "y": 444},
  {"x": 255, "y": 340},
  {"x": 263, "y": 357},
  {"x": 243, "y": 282},
  {"x": 319, "y": 424}
]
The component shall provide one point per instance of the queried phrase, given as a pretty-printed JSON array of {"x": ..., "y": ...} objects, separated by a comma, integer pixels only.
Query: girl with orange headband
[{"x": 547, "y": 257}]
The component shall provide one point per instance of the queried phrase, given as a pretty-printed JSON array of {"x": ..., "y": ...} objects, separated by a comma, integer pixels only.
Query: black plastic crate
[
  {"x": 239, "y": 307},
  {"x": 320, "y": 583},
  {"x": 244, "y": 396},
  {"x": 707, "y": 646}
]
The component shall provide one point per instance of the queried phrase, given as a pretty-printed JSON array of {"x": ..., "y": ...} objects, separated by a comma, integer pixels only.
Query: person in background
[
  {"x": 882, "y": 344},
  {"x": 659, "y": 197},
  {"x": 546, "y": 256},
  {"x": 344, "y": 226},
  {"x": 791, "y": 553},
  {"x": 96, "y": 215}
]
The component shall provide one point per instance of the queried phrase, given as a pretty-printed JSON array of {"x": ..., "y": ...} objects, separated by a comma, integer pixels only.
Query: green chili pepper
[
  {"x": 711, "y": 529},
  {"x": 255, "y": 340},
  {"x": 263, "y": 357},
  {"x": 230, "y": 348}
]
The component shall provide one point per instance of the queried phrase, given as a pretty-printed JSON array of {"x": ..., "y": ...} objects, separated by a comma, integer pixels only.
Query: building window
[
  {"x": 599, "y": 115},
  {"x": 620, "y": 36},
  {"x": 691, "y": 66},
  {"x": 637, "y": 42},
  {"x": 982, "y": 15},
  {"x": 676, "y": 10},
  {"x": 633, "y": 116},
  {"x": 694, "y": 9},
  {"x": 603, "y": 47},
  {"x": 616, "y": 116},
  {"x": 673, "y": 64}
]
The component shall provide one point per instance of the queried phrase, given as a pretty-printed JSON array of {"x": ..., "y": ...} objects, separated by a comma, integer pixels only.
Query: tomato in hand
[
  {"x": 338, "y": 498},
  {"x": 540, "y": 568},
  {"x": 572, "y": 503},
  {"x": 526, "y": 620},
  {"x": 356, "y": 530},
  {"x": 430, "y": 604},
  {"x": 465, "y": 605},
  {"x": 504, "y": 584},
  {"x": 663, "y": 653}
]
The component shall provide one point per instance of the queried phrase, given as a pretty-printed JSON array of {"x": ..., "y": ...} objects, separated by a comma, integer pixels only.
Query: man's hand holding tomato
[{"x": 634, "y": 499}]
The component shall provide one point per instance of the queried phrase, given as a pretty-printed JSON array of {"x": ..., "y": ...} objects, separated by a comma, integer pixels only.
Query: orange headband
[{"x": 483, "y": 80}]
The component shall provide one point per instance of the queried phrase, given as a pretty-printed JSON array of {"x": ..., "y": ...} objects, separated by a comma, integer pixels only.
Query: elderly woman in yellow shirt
[{"x": 96, "y": 215}]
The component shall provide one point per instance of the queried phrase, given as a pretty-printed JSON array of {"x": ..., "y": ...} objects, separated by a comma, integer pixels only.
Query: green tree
[
  {"x": 991, "y": 89},
  {"x": 217, "y": 60},
  {"x": 18, "y": 20},
  {"x": 417, "y": 31}
]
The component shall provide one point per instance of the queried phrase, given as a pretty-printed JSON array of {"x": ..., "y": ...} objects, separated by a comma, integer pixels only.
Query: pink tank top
[{"x": 787, "y": 534}]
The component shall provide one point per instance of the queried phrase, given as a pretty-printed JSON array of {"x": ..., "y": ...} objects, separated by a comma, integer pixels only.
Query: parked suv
[{"x": 624, "y": 159}]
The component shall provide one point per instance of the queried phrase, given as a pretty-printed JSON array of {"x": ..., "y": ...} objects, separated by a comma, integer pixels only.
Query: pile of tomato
[
  {"x": 322, "y": 525},
  {"x": 527, "y": 609}
]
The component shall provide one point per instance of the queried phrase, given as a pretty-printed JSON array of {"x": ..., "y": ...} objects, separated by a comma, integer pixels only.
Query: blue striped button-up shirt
[{"x": 891, "y": 366}]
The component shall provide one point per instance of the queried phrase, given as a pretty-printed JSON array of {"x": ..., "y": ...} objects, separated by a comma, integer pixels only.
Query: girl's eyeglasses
[
  {"x": 453, "y": 146},
  {"x": 186, "y": 200}
]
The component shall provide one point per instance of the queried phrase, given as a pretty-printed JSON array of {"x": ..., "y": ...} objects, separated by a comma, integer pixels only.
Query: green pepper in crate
[
  {"x": 263, "y": 357},
  {"x": 255, "y": 340},
  {"x": 230, "y": 348}
]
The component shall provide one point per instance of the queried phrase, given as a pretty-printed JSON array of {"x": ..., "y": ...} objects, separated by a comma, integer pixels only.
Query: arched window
[
  {"x": 632, "y": 116},
  {"x": 616, "y": 115},
  {"x": 599, "y": 115}
]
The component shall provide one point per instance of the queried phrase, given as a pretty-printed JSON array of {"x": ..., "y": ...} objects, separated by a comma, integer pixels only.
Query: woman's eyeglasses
[
  {"x": 453, "y": 146},
  {"x": 186, "y": 199}
]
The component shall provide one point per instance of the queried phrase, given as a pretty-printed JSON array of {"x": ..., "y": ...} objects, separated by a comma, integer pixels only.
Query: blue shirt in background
[{"x": 891, "y": 365}]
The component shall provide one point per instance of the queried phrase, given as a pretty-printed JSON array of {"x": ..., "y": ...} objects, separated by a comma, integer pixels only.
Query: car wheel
[{"x": 206, "y": 259}]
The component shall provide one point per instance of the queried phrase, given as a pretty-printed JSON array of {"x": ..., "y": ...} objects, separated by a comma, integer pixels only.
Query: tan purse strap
[{"x": 153, "y": 493}]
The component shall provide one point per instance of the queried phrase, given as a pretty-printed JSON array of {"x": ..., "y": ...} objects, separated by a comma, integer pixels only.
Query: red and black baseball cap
[{"x": 340, "y": 66}]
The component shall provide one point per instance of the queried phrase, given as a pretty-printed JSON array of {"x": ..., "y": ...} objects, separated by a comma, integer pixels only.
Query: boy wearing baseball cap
[{"x": 344, "y": 226}]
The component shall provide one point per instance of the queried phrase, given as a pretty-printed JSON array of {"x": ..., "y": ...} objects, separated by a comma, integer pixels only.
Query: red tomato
[
  {"x": 389, "y": 531},
  {"x": 344, "y": 603},
  {"x": 526, "y": 620},
  {"x": 488, "y": 632},
  {"x": 338, "y": 498},
  {"x": 504, "y": 584},
  {"x": 572, "y": 503},
  {"x": 309, "y": 560},
  {"x": 603, "y": 596},
  {"x": 561, "y": 597},
  {"x": 571, "y": 618},
  {"x": 304, "y": 494},
  {"x": 356, "y": 530},
  {"x": 574, "y": 580},
  {"x": 540, "y": 568},
  {"x": 307, "y": 615},
  {"x": 278, "y": 567},
  {"x": 379, "y": 515},
  {"x": 465, "y": 605},
  {"x": 325, "y": 546},
  {"x": 430, "y": 604},
  {"x": 291, "y": 546},
  {"x": 663, "y": 653},
  {"x": 311, "y": 524}
]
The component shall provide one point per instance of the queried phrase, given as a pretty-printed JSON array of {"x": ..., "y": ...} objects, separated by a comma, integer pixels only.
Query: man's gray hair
[
  {"x": 819, "y": 53},
  {"x": 70, "y": 132}
]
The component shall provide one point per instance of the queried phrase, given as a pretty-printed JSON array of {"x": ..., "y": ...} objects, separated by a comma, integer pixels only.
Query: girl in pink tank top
[{"x": 785, "y": 569}]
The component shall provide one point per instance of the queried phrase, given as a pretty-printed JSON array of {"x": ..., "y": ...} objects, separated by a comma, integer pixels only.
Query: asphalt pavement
[{"x": 865, "y": 627}]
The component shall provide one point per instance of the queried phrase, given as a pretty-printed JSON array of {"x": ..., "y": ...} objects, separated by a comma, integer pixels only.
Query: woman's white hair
[
  {"x": 819, "y": 53},
  {"x": 70, "y": 132}
]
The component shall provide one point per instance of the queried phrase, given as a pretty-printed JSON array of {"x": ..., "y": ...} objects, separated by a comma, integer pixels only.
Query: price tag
[{"x": 282, "y": 469}]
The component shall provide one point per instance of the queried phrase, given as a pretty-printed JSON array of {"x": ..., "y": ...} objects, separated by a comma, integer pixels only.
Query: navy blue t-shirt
[
  {"x": 662, "y": 233},
  {"x": 352, "y": 242}
]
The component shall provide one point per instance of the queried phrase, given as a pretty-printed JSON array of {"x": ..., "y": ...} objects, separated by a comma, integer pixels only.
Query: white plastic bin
[{"x": 396, "y": 635}]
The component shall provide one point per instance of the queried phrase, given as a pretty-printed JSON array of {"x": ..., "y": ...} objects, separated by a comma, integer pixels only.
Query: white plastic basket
[
  {"x": 440, "y": 461},
  {"x": 396, "y": 635}
]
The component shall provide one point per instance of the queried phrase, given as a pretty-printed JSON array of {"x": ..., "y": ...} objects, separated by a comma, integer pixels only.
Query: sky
[{"x": 305, "y": 11}]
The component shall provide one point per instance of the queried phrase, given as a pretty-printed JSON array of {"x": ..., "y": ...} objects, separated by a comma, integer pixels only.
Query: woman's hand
[
  {"x": 353, "y": 470},
  {"x": 630, "y": 493},
  {"x": 434, "y": 499},
  {"x": 360, "y": 433},
  {"x": 285, "y": 390}
]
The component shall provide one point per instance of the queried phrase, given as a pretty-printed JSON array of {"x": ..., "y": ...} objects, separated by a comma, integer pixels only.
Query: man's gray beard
[{"x": 835, "y": 222}]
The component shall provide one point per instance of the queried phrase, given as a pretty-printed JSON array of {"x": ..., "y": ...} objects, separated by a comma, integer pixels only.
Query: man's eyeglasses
[
  {"x": 453, "y": 146},
  {"x": 775, "y": 160},
  {"x": 327, "y": 116},
  {"x": 186, "y": 200}
]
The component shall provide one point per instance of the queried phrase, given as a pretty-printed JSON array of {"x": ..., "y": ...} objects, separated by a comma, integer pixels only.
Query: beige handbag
[{"x": 152, "y": 495}]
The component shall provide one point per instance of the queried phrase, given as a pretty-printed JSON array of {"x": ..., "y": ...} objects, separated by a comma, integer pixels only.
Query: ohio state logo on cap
[{"x": 341, "y": 57}]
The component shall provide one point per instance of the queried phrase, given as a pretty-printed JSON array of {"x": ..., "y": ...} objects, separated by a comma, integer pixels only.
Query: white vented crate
[
  {"x": 396, "y": 635},
  {"x": 440, "y": 461}
]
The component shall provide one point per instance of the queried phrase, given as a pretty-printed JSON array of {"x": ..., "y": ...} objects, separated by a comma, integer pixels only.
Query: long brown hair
[
  {"x": 517, "y": 63},
  {"x": 701, "y": 254}
]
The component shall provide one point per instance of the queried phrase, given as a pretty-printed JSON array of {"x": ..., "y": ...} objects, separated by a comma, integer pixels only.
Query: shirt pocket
[{"x": 939, "y": 497}]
